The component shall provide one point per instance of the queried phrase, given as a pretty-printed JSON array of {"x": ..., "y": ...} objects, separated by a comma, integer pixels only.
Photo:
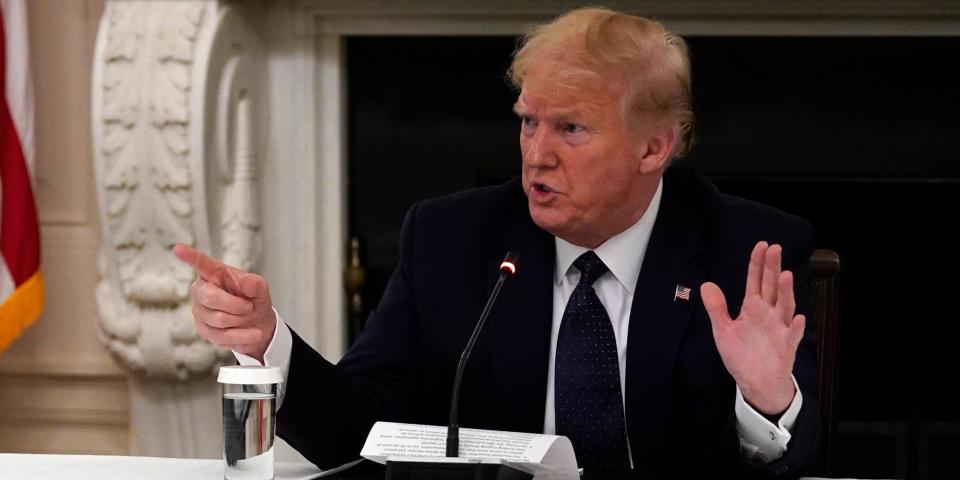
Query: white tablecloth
[{"x": 101, "y": 467}]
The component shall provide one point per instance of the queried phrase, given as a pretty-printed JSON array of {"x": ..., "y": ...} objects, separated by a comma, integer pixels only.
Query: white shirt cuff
[
  {"x": 277, "y": 354},
  {"x": 761, "y": 440}
]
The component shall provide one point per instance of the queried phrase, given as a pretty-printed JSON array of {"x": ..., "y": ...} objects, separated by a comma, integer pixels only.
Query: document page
[{"x": 545, "y": 456}]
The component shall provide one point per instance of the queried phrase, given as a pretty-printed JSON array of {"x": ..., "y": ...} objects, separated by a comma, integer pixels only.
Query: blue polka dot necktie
[{"x": 589, "y": 405}]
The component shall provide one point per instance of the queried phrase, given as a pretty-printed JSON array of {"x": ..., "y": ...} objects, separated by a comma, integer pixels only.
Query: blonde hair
[{"x": 595, "y": 42}]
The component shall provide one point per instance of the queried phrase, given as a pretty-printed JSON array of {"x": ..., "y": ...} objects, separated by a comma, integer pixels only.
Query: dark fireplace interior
[{"x": 860, "y": 135}]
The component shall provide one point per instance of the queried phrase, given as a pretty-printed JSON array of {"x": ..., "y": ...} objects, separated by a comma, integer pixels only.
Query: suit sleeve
[{"x": 328, "y": 409}]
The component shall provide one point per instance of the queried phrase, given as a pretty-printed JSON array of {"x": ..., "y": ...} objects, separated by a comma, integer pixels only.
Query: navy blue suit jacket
[{"x": 679, "y": 397}]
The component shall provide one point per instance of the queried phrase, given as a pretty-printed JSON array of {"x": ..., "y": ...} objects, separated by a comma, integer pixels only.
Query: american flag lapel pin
[{"x": 681, "y": 293}]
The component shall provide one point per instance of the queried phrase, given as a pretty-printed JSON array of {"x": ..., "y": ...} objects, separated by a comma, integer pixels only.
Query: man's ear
[{"x": 655, "y": 153}]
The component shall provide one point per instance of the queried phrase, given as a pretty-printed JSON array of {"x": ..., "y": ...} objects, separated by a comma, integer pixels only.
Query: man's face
[{"x": 581, "y": 167}]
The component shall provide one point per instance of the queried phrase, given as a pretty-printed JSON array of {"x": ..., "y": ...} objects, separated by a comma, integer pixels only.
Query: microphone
[{"x": 507, "y": 268}]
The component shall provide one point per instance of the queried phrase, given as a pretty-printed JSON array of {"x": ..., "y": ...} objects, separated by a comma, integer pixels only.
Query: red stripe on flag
[{"x": 19, "y": 231}]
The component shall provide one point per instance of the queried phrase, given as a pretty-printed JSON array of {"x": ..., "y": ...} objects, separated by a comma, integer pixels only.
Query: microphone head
[{"x": 509, "y": 264}]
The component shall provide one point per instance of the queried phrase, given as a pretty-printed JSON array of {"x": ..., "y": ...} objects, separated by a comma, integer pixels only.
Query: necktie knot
[{"x": 590, "y": 266}]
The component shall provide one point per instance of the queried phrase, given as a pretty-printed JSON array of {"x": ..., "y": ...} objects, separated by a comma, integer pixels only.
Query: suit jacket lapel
[
  {"x": 520, "y": 324},
  {"x": 658, "y": 321}
]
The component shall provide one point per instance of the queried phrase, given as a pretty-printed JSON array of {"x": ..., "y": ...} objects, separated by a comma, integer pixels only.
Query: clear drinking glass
[{"x": 249, "y": 421}]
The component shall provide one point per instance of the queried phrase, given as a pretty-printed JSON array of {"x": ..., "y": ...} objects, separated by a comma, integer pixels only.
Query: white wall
[{"x": 60, "y": 392}]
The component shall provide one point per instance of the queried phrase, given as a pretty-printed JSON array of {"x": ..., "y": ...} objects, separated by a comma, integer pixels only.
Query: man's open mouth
[{"x": 542, "y": 188}]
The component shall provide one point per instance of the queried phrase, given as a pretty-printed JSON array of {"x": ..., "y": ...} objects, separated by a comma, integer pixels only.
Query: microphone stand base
[{"x": 404, "y": 470}]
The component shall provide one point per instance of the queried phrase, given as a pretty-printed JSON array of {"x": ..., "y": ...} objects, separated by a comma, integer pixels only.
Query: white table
[{"x": 102, "y": 467}]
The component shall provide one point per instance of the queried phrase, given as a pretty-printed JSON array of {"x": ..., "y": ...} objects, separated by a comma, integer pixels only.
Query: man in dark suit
[{"x": 616, "y": 331}]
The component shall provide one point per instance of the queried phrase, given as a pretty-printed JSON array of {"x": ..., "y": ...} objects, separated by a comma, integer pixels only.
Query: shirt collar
[{"x": 622, "y": 253}]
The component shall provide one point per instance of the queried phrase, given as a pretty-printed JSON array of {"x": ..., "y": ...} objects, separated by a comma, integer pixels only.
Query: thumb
[
  {"x": 255, "y": 288},
  {"x": 715, "y": 303},
  {"x": 796, "y": 330}
]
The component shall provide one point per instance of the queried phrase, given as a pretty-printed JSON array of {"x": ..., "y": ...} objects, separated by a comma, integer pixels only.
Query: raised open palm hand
[{"x": 759, "y": 346}]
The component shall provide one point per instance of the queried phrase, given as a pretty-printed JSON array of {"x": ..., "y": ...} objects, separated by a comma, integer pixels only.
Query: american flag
[
  {"x": 21, "y": 284},
  {"x": 682, "y": 293}
]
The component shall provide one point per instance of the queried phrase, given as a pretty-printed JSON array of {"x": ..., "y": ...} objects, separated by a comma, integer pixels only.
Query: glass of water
[{"x": 249, "y": 420}]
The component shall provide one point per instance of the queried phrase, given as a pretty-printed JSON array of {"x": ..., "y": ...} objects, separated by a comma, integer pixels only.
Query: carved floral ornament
[{"x": 175, "y": 156}]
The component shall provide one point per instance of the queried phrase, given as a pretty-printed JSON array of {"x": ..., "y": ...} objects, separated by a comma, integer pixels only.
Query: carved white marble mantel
[
  {"x": 221, "y": 124},
  {"x": 175, "y": 137}
]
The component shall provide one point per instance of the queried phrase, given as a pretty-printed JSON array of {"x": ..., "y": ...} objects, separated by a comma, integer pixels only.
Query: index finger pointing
[{"x": 208, "y": 268}]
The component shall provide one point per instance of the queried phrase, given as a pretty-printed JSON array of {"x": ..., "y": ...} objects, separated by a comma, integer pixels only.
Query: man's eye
[
  {"x": 527, "y": 124},
  {"x": 575, "y": 134}
]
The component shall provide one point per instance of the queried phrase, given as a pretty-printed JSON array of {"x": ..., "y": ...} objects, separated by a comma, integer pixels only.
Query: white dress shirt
[{"x": 623, "y": 254}]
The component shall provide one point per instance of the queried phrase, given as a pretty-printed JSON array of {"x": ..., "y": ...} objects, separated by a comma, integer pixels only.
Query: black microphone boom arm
[{"x": 508, "y": 267}]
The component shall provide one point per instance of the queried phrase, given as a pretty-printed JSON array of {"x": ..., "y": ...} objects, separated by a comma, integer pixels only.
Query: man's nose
[{"x": 539, "y": 149}]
